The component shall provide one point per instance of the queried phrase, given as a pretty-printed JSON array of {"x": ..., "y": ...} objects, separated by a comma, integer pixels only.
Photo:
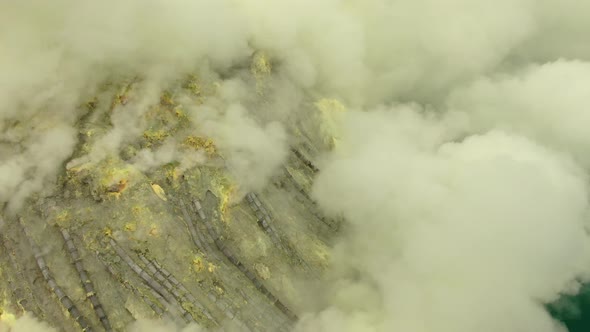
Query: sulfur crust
[{"x": 329, "y": 116}]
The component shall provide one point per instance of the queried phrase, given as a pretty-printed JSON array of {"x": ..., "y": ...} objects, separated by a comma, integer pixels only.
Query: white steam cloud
[
  {"x": 546, "y": 102},
  {"x": 461, "y": 165},
  {"x": 449, "y": 236},
  {"x": 253, "y": 152},
  {"x": 25, "y": 323}
]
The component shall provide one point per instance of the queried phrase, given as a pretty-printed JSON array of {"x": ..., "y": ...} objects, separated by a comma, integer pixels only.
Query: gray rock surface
[{"x": 112, "y": 244}]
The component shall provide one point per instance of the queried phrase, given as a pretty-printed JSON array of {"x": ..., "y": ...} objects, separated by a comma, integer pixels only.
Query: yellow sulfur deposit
[
  {"x": 159, "y": 192},
  {"x": 198, "y": 265},
  {"x": 172, "y": 176},
  {"x": 166, "y": 99},
  {"x": 192, "y": 85},
  {"x": 329, "y": 116},
  {"x": 261, "y": 65},
  {"x": 130, "y": 227},
  {"x": 114, "y": 181},
  {"x": 155, "y": 136},
  {"x": 63, "y": 218},
  {"x": 200, "y": 143},
  {"x": 260, "y": 68},
  {"x": 223, "y": 188},
  {"x": 122, "y": 97}
]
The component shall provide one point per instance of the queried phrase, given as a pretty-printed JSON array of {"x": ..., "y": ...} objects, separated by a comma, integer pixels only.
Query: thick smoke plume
[{"x": 461, "y": 164}]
